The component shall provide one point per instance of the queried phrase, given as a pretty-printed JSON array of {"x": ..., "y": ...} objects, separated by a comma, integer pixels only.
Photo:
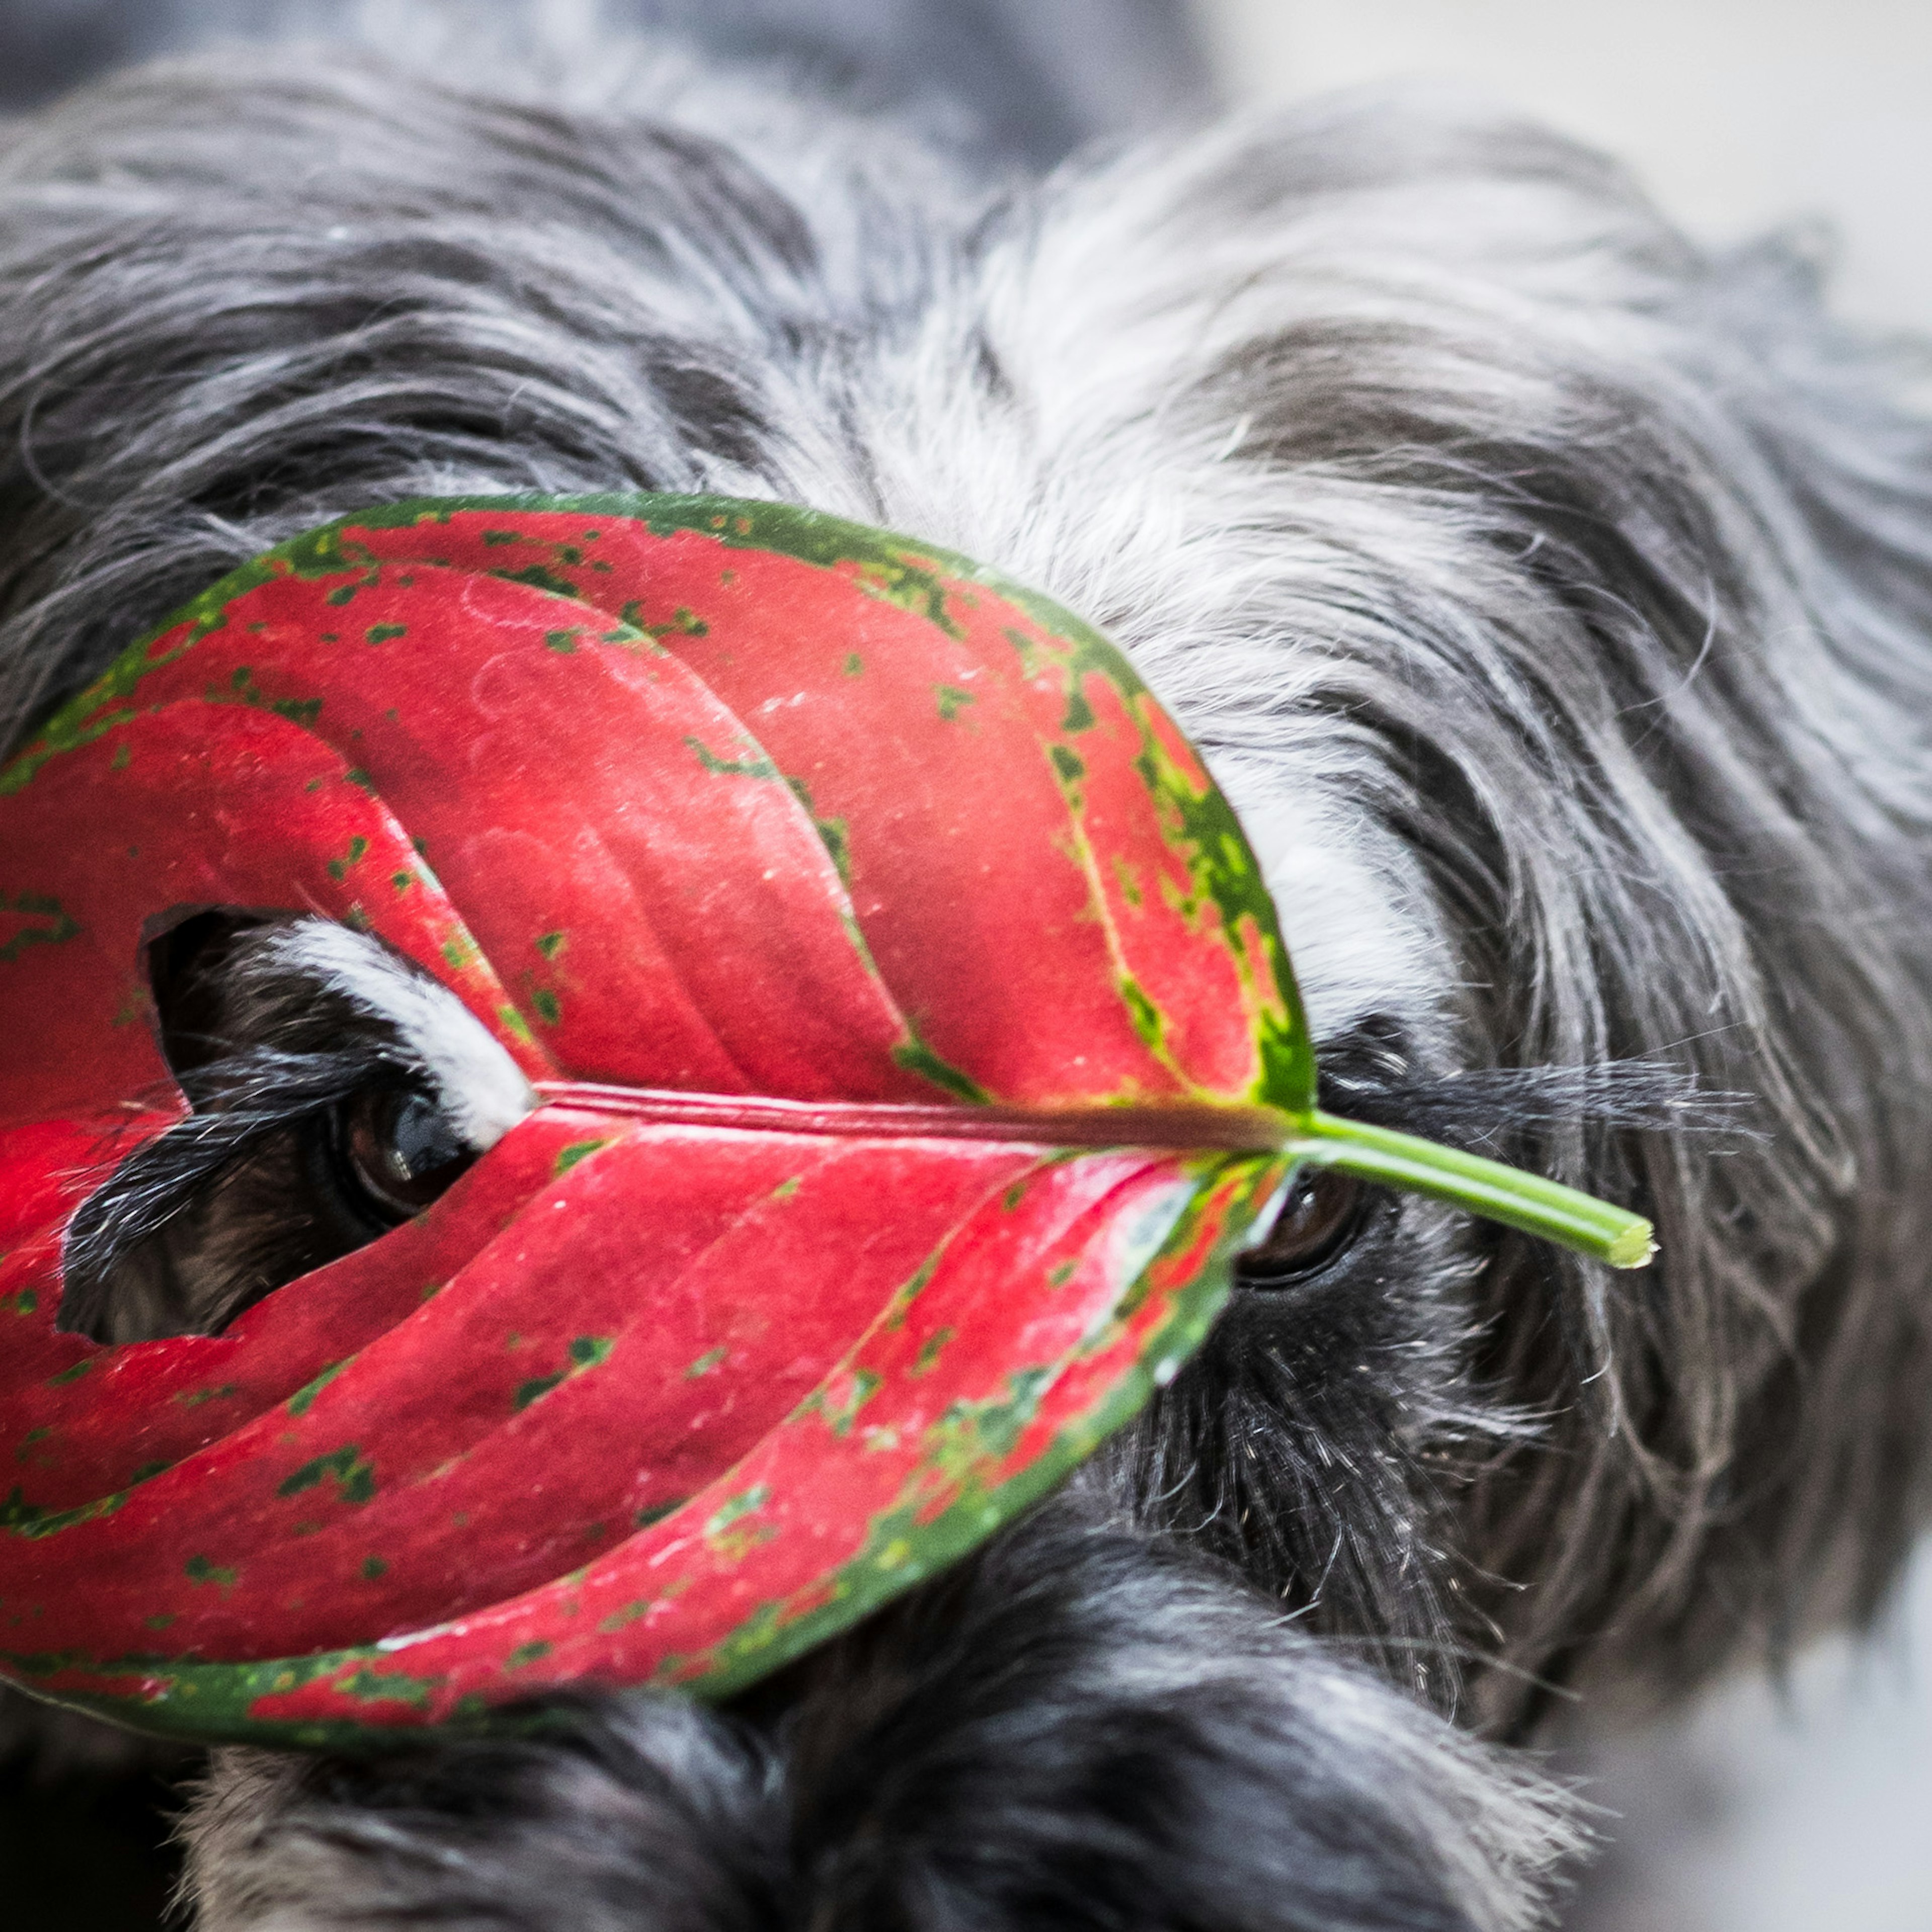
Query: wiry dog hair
[{"x": 1555, "y": 601}]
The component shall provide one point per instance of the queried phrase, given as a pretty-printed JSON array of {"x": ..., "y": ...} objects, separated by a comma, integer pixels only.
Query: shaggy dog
[{"x": 1554, "y": 600}]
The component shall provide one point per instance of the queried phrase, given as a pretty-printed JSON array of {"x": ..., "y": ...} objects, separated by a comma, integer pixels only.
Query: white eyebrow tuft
[{"x": 479, "y": 1086}]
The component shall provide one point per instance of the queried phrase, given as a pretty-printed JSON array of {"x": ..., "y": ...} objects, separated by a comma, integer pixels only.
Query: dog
[{"x": 1553, "y": 599}]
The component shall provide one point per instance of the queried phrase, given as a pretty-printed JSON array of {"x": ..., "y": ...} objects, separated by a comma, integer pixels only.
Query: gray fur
[
  {"x": 1231, "y": 1774},
  {"x": 1553, "y": 597},
  {"x": 1005, "y": 80}
]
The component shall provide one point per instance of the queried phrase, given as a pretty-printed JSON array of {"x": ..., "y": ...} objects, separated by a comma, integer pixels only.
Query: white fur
[{"x": 480, "y": 1087}]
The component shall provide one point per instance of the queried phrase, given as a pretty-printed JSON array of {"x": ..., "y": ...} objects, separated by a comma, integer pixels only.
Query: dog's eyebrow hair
[
  {"x": 1492, "y": 1110},
  {"x": 374, "y": 988}
]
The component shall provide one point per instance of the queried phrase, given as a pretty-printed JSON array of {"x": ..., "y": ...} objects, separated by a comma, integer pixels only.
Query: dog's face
[{"x": 1547, "y": 599}]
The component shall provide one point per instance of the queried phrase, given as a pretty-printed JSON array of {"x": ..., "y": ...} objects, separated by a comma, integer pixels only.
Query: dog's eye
[
  {"x": 1322, "y": 1215},
  {"x": 314, "y": 1124},
  {"x": 401, "y": 1151}
]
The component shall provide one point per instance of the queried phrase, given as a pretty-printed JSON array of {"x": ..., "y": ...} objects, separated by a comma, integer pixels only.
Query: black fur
[{"x": 1082, "y": 1730}]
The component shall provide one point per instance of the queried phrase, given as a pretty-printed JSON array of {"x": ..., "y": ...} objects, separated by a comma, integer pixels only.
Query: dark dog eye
[
  {"x": 1321, "y": 1215},
  {"x": 309, "y": 1134},
  {"x": 400, "y": 1149}
]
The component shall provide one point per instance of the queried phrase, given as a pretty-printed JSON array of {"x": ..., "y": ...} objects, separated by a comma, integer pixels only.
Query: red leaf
[{"x": 881, "y": 897}]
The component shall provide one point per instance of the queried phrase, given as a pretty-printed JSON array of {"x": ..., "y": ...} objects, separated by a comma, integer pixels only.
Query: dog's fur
[{"x": 1555, "y": 601}]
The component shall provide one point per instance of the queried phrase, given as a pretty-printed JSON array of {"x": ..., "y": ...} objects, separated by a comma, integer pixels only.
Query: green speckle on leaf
[
  {"x": 381, "y": 633},
  {"x": 952, "y": 700},
  {"x": 1147, "y": 1016},
  {"x": 538, "y": 578},
  {"x": 303, "y": 711},
  {"x": 685, "y": 623},
  {"x": 711, "y": 1358},
  {"x": 854, "y": 664},
  {"x": 840, "y": 1407},
  {"x": 930, "y": 1350},
  {"x": 564, "y": 642},
  {"x": 549, "y": 944},
  {"x": 303, "y": 1398},
  {"x": 358, "y": 848},
  {"x": 202, "y": 1570},
  {"x": 52, "y": 926},
  {"x": 34, "y": 1519},
  {"x": 374, "y": 1567},
  {"x": 787, "y": 1188},
  {"x": 994, "y": 1424},
  {"x": 916, "y": 1057},
  {"x": 526, "y": 1654},
  {"x": 354, "y": 1474},
  {"x": 528, "y": 1392},
  {"x": 832, "y": 836},
  {"x": 568, "y": 1156},
  {"x": 754, "y": 765},
  {"x": 1070, "y": 766},
  {"x": 356, "y": 775},
  {"x": 194, "y": 1398},
  {"x": 735, "y": 1509},
  {"x": 549, "y": 1009},
  {"x": 72, "y": 1374},
  {"x": 626, "y": 1615},
  {"x": 384, "y": 1687}
]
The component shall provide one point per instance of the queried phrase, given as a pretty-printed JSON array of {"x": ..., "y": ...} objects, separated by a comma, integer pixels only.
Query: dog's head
[{"x": 1546, "y": 596}]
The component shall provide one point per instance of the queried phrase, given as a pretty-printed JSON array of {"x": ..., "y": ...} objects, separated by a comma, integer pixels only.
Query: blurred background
[
  {"x": 1739, "y": 114},
  {"x": 1806, "y": 1807}
]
